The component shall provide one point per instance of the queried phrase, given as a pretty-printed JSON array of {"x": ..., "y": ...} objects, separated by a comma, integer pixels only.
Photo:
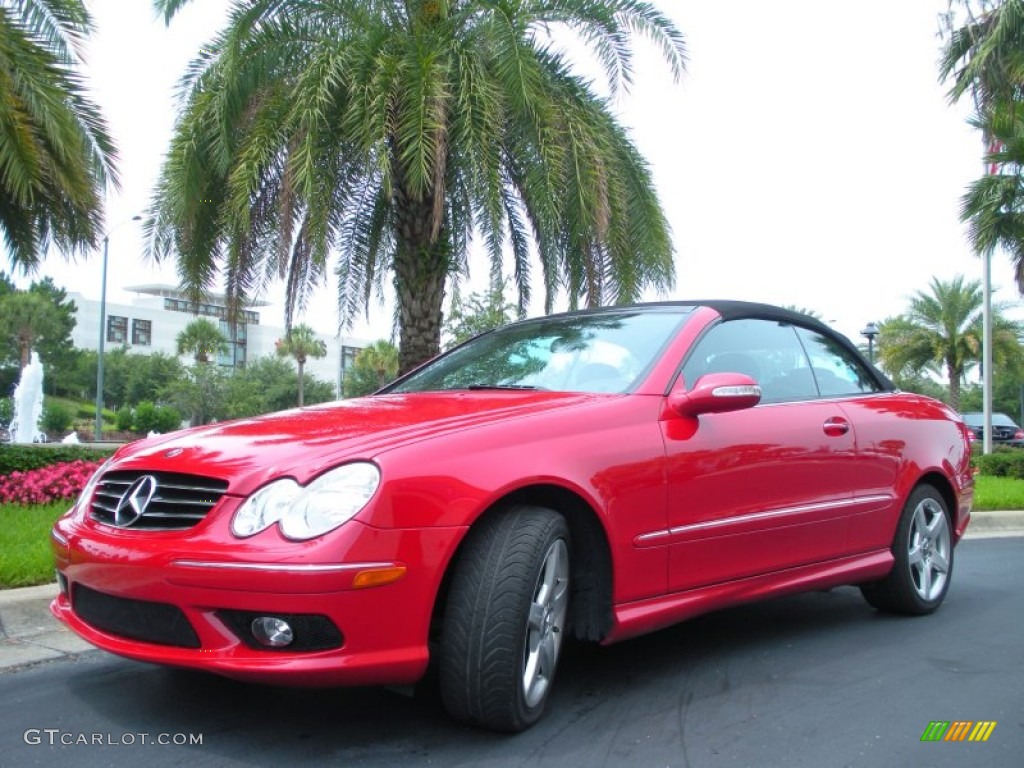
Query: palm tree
[
  {"x": 391, "y": 132},
  {"x": 28, "y": 319},
  {"x": 374, "y": 366},
  {"x": 201, "y": 339},
  {"x": 942, "y": 331},
  {"x": 993, "y": 206},
  {"x": 984, "y": 58},
  {"x": 301, "y": 343},
  {"x": 56, "y": 157}
]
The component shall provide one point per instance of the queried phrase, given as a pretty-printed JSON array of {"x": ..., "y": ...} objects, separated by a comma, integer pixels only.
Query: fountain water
[{"x": 28, "y": 404}]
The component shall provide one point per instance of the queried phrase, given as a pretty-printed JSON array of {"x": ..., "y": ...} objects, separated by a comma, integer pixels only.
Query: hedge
[
  {"x": 1003, "y": 462},
  {"x": 22, "y": 458}
]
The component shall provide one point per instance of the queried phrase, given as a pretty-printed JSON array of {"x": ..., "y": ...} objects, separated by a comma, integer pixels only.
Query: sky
[{"x": 808, "y": 157}]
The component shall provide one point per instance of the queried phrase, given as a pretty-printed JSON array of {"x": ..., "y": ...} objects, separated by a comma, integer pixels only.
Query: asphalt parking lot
[{"x": 812, "y": 680}]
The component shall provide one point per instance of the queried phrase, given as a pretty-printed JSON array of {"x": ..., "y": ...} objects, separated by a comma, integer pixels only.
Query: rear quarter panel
[{"x": 901, "y": 439}]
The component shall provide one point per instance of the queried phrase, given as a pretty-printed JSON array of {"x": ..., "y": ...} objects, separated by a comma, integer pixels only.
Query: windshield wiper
[{"x": 502, "y": 386}]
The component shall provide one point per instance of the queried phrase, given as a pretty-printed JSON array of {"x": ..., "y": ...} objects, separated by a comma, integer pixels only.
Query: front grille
[
  {"x": 159, "y": 623},
  {"x": 180, "y": 500}
]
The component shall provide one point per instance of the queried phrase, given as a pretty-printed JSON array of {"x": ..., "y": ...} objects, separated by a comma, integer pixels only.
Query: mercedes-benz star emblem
[{"x": 134, "y": 501}]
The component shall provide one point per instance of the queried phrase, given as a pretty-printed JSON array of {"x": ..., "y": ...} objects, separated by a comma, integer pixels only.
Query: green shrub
[
  {"x": 1002, "y": 462},
  {"x": 124, "y": 419},
  {"x": 21, "y": 458},
  {"x": 88, "y": 411},
  {"x": 167, "y": 419},
  {"x": 56, "y": 418},
  {"x": 6, "y": 411}
]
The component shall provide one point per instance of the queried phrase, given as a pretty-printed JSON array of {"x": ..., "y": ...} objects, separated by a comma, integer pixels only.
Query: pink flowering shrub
[{"x": 57, "y": 482}]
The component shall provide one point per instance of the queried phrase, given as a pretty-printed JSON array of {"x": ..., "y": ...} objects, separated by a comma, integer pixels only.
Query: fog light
[{"x": 272, "y": 632}]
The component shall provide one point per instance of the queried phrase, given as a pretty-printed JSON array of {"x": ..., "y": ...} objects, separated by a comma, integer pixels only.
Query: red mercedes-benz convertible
[{"x": 598, "y": 474}]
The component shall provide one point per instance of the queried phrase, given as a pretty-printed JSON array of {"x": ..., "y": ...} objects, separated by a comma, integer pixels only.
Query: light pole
[
  {"x": 98, "y": 434},
  {"x": 870, "y": 331}
]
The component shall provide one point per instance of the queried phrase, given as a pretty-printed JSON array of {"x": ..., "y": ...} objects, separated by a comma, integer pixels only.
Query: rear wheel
[
  {"x": 505, "y": 619},
  {"x": 923, "y": 551}
]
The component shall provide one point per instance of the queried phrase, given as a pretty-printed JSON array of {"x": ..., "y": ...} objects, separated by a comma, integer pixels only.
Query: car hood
[{"x": 301, "y": 443}]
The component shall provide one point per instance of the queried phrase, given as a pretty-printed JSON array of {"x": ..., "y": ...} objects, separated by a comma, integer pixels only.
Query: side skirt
[{"x": 643, "y": 616}]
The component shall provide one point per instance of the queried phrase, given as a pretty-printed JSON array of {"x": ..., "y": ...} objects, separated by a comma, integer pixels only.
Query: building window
[
  {"x": 245, "y": 316},
  {"x": 142, "y": 333},
  {"x": 117, "y": 329},
  {"x": 236, "y": 353}
]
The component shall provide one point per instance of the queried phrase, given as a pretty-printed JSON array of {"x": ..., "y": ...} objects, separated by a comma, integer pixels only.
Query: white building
[{"x": 152, "y": 321}]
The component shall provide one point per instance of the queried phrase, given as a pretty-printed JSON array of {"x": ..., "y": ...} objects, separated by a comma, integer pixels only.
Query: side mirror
[{"x": 716, "y": 393}]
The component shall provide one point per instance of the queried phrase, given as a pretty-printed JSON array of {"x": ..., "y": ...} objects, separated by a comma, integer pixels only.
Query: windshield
[
  {"x": 606, "y": 352},
  {"x": 998, "y": 420}
]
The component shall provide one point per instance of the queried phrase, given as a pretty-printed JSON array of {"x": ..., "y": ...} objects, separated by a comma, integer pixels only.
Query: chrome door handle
[{"x": 836, "y": 426}]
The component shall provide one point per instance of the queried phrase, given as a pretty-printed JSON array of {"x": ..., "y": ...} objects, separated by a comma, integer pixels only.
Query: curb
[
  {"x": 30, "y": 635},
  {"x": 996, "y": 523}
]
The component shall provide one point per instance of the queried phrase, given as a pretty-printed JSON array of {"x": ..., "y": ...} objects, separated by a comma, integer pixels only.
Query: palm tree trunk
[
  {"x": 421, "y": 268},
  {"x": 420, "y": 286},
  {"x": 301, "y": 381},
  {"x": 954, "y": 386}
]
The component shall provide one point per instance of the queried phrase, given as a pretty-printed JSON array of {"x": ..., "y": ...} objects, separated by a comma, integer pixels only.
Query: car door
[
  {"x": 761, "y": 489},
  {"x": 881, "y": 431}
]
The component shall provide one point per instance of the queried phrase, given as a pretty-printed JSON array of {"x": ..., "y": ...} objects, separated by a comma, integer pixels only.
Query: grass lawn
[
  {"x": 998, "y": 493},
  {"x": 25, "y": 555}
]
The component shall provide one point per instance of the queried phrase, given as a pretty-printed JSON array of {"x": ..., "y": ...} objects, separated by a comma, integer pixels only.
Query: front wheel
[
  {"x": 923, "y": 553},
  {"x": 505, "y": 619}
]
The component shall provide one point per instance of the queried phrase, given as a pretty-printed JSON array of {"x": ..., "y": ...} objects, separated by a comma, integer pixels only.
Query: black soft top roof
[{"x": 727, "y": 308}]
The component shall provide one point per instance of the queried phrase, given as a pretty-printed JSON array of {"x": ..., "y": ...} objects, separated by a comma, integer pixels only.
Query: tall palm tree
[
  {"x": 202, "y": 338},
  {"x": 56, "y": 157},
  {"x": 301, "y": 343},
  {"x": 993, "y": 206},
  {"x": 391, "y": 132},
  {"x": 941, "y": 331},
  {"x": 983, "y": 54},
  {"x": 984, "y": 58}
]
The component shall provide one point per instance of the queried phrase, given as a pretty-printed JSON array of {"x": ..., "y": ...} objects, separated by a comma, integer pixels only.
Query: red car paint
[{"x": 692, "y": 513}]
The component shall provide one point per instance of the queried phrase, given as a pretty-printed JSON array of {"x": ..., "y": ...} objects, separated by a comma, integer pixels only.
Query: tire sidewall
[{"x": 559, "y": 529}]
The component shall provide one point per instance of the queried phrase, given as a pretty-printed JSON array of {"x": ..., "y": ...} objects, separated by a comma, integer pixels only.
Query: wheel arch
[
  {"x": 591, "y": 575},
  {"x": 942, "y": 484}
]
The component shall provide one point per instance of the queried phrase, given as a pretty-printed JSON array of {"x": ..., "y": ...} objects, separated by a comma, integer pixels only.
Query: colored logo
[{"x": 958, "y": 730}]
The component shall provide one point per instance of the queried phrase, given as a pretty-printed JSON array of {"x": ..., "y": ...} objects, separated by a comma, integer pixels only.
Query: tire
[
  {"x": 923, "y": 553},
  {"x": 504, "y": 622}
]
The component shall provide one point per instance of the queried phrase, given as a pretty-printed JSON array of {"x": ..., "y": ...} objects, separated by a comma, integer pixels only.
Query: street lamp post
[
  {"x": 103, "y": 331},
  {"x": 870, "y": 331}
]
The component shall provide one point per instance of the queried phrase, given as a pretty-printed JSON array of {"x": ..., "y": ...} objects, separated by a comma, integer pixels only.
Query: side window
[
  {"x": 766, "y": 350},
  {"x": 836, "y": 370}
]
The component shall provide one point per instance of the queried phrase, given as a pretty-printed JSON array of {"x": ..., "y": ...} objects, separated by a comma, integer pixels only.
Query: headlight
[
  {"x": 329, "y": 501},
  {"x": 265, "y": 507}
]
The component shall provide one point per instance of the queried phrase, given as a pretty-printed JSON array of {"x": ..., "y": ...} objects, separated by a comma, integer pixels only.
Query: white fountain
[{"x": 28, "y": 404}]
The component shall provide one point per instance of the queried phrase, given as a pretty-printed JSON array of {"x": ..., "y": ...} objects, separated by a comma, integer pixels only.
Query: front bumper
[{"x": 147, "y": 586}]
